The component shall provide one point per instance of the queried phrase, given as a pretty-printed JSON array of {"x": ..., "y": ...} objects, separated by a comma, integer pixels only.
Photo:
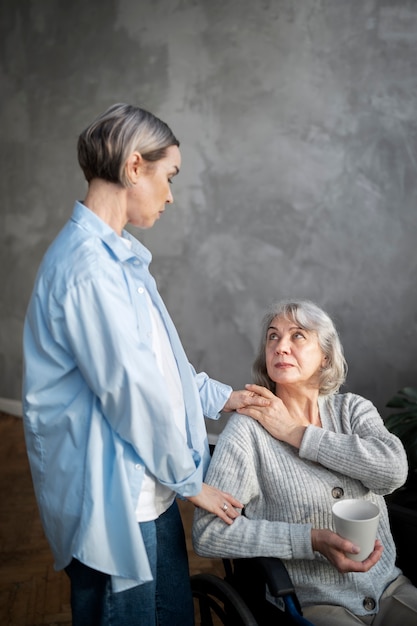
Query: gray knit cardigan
[{"x": 287, "y": 492}]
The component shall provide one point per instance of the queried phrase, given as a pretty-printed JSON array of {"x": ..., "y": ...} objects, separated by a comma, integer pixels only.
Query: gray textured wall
[{"x": 299, "y": 138}]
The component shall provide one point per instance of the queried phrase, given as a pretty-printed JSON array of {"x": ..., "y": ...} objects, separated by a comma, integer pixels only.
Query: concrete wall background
[{"x": 297, "y": 120}]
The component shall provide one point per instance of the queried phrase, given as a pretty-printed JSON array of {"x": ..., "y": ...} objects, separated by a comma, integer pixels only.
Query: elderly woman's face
[
  {"x": 152, "y": 189},
  {"x": 293, "y": 355}
]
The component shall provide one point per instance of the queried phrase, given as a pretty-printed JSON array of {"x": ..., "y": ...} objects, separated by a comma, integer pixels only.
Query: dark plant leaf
[
  {"x": 404, "y": 397},
  {"x": 406, "y": 417},
  {"x": 399, "y": 402},
  {"x": 403, "y": 423},
  {"x": 411, "y": 392}
]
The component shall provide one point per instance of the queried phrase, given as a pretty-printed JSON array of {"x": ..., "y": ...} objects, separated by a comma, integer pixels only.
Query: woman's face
[
  {"x": 293, "y": 356},
  {"x": 152, "y": 189}
]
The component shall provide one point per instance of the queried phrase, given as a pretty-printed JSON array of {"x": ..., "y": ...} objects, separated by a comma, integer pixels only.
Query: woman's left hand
[{"x": 218, "y": 502}]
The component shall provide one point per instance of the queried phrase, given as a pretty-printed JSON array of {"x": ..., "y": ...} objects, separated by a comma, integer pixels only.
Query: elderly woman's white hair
[{"x": 308, "y": 316}]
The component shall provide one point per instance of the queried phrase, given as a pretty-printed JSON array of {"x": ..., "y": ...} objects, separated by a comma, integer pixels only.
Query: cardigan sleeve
[
  {"x": 355, "y": 442},
  {"x": 233, "y": 469}
]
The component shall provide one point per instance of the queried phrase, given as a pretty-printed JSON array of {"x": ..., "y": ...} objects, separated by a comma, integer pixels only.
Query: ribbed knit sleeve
[
  {"x": 236, "y": 468},
  {"x": 355, "y": 442}
]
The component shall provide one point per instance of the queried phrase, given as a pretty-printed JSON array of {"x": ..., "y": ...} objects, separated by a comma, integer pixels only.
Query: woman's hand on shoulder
[
  {"x": 334, "y": 548},
  {"x": 243, "y": 398},
  {"x": 274, "y": 416},
  {"x": 219, "y": 502}
]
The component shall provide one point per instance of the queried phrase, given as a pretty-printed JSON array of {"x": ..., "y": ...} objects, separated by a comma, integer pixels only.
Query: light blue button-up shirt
[{"x": 95, "y": 407}]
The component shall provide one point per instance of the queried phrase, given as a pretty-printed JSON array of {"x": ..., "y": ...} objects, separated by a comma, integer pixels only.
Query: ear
[
  {"x": 134, "y": 166},
  {"x": 324, "y": 362}
]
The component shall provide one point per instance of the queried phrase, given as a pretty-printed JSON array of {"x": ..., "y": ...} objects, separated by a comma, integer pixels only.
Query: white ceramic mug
[{"x": 357, "y": 520}]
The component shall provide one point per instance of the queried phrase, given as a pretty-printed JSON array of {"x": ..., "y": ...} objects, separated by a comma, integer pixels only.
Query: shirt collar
[{"x": 92, "y": 223}]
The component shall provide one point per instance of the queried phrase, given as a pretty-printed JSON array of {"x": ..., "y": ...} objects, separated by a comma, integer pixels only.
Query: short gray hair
[
  {"x": 308, "y": 316},
  {"x": 105, "y": 145}
]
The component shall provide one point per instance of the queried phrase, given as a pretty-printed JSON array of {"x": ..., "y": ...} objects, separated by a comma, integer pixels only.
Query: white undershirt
[{"x": 155, "y": 498}]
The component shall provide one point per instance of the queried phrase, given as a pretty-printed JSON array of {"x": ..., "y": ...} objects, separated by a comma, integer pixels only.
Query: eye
[
  {"x": 299, "y": 335},
  {"x": 272, "y": 336}
]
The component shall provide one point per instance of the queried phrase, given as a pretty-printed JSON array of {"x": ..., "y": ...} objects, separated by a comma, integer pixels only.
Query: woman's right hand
[
  {"x": 334, "y": 548},
  {"x": 274, "y": 416},
  {"x": 218, "y": 502}
]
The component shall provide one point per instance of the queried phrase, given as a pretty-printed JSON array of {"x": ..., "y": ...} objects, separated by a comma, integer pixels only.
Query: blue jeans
[{"x": 165, "y": 601}]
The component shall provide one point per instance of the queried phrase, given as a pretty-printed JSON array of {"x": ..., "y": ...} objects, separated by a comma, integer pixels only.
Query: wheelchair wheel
[{"x": 217, "y": 603}]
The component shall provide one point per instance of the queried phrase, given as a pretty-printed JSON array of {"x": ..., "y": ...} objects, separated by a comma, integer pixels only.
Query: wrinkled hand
[
  {"x": 334, "y": 548},
  {"x": 244, "y": 397},
  {"x": 275, "y": 417},
  {"x": 213, "y": 500}
]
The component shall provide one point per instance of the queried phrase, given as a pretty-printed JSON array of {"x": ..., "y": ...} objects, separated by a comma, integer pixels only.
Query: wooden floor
[{"x": 32, "y": 593}]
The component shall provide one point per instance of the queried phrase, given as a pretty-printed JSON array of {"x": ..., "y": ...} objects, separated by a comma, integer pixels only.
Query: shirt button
[
  {"x": 135, "y": 262},
  {"x": 138, "y": 466},
  {"x": 369, "y": 604},
  {"x": 141, "y": 290},
  {"x": 337, "y": 493}
]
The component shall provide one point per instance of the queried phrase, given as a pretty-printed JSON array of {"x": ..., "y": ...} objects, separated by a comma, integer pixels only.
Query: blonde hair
[{"x": 104, "y": 146}]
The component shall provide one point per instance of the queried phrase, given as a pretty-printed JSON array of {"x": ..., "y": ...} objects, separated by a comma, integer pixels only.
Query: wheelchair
[{"x": 254, "y": 592}]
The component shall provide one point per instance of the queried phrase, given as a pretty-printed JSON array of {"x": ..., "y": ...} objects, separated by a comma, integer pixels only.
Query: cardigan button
[
  {"x": 337, "y": 493},
  {"x": 369, "y": 604}
]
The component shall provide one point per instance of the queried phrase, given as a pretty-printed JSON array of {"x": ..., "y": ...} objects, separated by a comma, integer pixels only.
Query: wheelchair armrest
[
  {"x": 252, "y": 576},
  {"x": 275, "y": 575}
]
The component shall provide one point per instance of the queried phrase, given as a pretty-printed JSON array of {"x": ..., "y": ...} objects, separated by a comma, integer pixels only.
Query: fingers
[
  {"x": 258, "y": 390},
  {"x": 348, "y": 565},
  {"x": 233, "y": 501},
  {"x": 218, "y": 502},
  {"x": 374, "y": 556},
  {"x": 251, "y": 411},
  {"x": 229, "y": 505},
  {"x": 242, "y": 398},
  {"x": 227, "y": 513},
  {"x": 334, "y": 548}
]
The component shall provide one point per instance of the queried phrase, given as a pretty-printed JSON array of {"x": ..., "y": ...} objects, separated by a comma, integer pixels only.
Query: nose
[
  {"x": 282, "y": 346},
  {"x": 170, "y": 197}
]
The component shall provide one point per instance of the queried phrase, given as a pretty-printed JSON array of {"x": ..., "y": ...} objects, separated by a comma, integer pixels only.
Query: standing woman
[{"x": 113, "y": 411}]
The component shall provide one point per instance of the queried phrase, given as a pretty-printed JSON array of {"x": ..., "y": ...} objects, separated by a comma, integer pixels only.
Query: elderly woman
[
  {"x": 289, "y": 462},
  {"x": 113, "y": 411}
]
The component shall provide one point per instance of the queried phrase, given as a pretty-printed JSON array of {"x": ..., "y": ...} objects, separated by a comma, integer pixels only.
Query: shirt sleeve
[
  {"x": 99, "y": 325},
  {"x": 213, "y": 394}
]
